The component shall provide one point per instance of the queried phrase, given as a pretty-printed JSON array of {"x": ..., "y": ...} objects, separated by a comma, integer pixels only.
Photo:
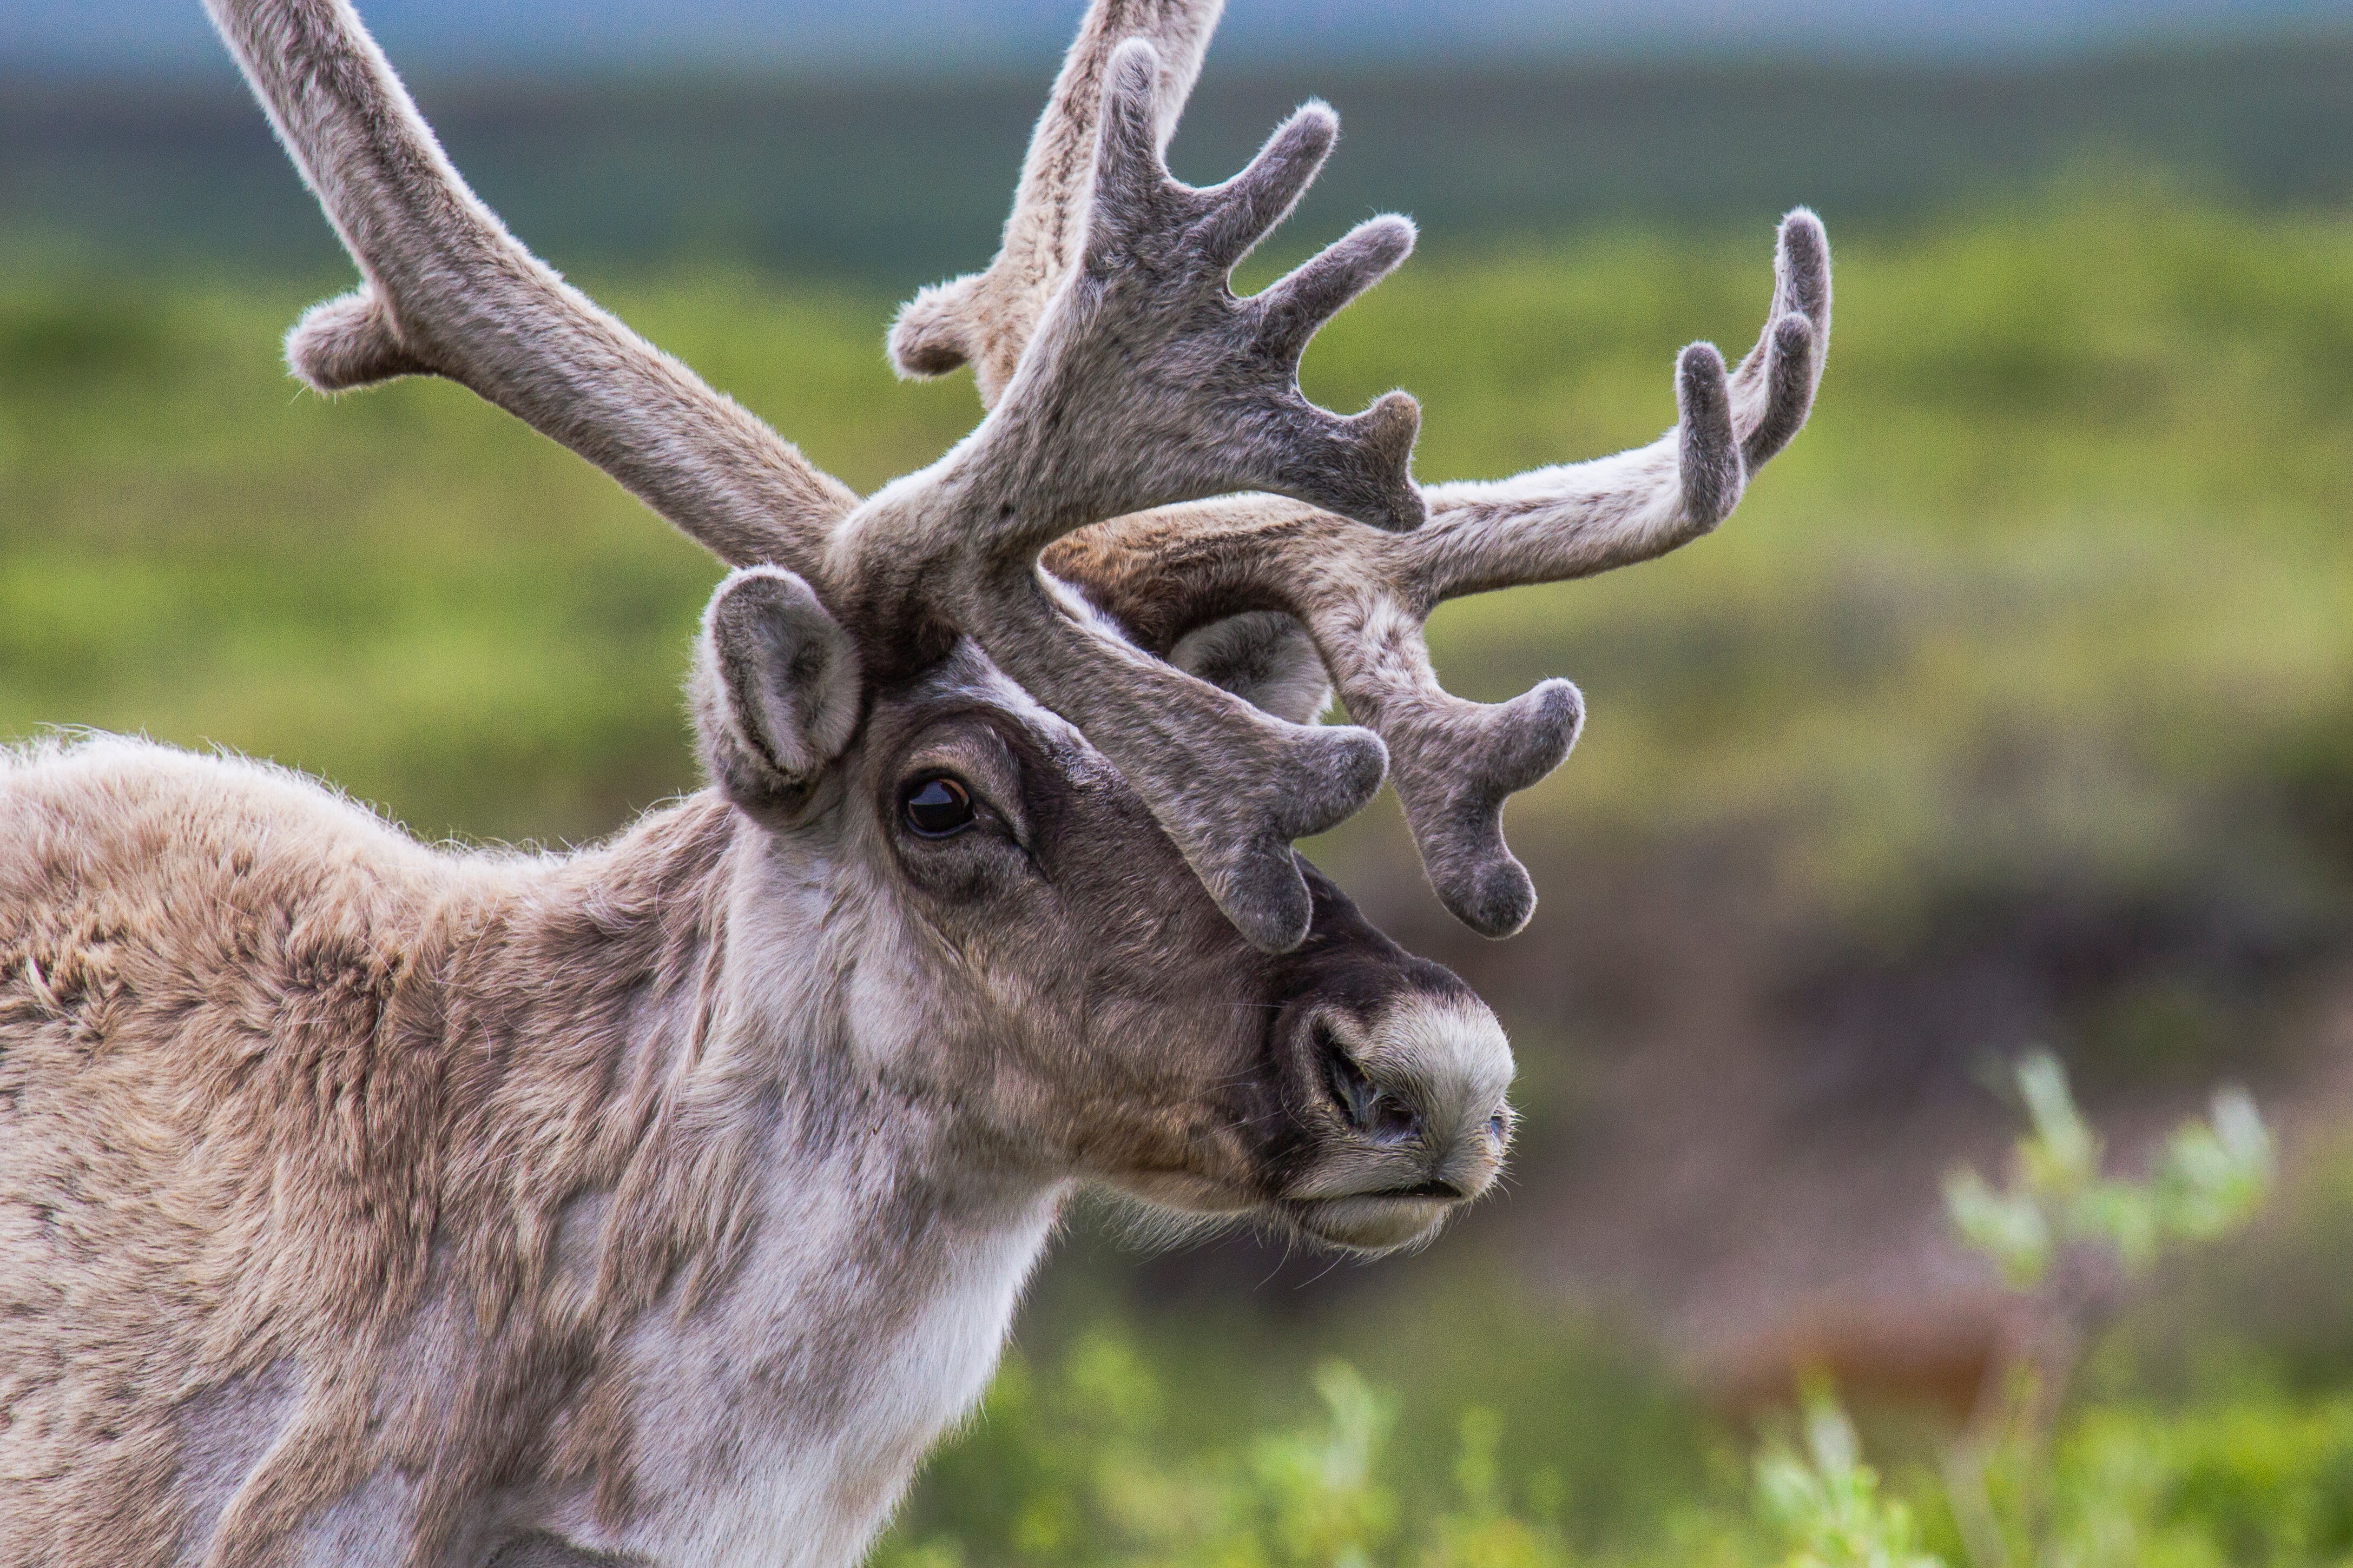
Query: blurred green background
[{"x": 2013, "y": 707}]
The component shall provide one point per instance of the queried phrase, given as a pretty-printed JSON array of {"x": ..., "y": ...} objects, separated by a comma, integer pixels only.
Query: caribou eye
[{"x": 937, "y": 807}]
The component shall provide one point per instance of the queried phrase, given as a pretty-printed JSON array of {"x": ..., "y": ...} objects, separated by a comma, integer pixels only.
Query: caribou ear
[
  {"x": 774, "y": 691},
  {"x": 1264, "y": 657}
]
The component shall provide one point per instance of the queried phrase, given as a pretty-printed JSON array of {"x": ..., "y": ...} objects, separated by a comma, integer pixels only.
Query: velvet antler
[
  {"x": 1123, "y": 378},
  {"x": 1363, "y": 598},
  {"x": 1142, "y": 383}
]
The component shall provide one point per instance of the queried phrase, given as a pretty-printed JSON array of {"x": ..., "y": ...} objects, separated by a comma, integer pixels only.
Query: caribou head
[
  {"x": 1020, "y": 940},
  {"x": 662, "y": 1203}
]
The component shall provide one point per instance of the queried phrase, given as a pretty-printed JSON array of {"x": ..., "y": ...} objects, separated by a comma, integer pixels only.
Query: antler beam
[{"x": 450, "y": 292}]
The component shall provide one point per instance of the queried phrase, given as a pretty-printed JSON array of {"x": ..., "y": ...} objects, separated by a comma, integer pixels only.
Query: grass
[{"x": 1080, "y": 1461}]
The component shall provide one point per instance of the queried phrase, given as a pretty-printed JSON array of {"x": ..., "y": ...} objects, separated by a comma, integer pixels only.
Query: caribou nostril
[
  {"x": 1393, "y": 1121},
  {"x": 1374, "y": 1111},
  {"x": 1352, "y": 1091}
]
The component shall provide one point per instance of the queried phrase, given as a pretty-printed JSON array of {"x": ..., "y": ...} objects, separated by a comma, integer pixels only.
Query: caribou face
[{"x": 1083, "y": 1002}]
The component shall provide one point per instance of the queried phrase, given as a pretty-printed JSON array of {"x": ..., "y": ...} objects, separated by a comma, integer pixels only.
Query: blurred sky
[{"x": 83, "y": 35}]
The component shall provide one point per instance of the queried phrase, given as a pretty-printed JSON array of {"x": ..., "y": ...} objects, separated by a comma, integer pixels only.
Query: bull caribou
[{"x": 366, "y": 1201}]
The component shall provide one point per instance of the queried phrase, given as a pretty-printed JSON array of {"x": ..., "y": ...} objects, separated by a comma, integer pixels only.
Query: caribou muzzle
[
  {"x": 1395, "y": 1078},
  {"x": 1410, "y": 1122}
]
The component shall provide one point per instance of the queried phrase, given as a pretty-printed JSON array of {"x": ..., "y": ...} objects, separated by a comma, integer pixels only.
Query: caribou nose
[
  {"x": 1425, "y": 1080},
  {"x": 1405, "y": 1101}
]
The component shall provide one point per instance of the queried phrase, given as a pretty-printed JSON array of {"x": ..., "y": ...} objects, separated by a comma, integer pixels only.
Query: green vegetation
[
  {"x": 1089, "y": 1460},
  {"x": 2209, "y": 1182},
  {"x": 1079, "y": 1463},
  {"x": 2051, "y": 596}
]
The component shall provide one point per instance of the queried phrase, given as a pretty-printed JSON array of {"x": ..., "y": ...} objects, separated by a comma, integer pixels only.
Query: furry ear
[
  {"x": 931, "y": 336},
  {"x": 1264, "y": 657},
  {"x": 774, "y": 691}
]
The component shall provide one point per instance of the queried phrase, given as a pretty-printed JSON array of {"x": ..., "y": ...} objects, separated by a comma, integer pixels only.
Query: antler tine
[
  {"x": 449, "y": 292},
  {"x": 1363, "y": 598},
  {"x": 987, "y": 318},
  {"x": 1785, "y": 367}
]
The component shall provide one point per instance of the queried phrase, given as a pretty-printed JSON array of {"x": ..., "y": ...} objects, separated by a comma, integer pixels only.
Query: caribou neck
[{"x": 804, "y": 1266}]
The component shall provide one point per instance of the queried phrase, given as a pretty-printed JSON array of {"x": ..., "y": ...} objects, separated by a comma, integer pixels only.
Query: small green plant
[
  {"x": 2067, "y": 1238},
  {"x": 2064, "y": 1236},
  {"x": 1090, "y": 1461},
  {"x": 2210, "y": 1180},
  {"x": 1309, "y": 1495},
  {"x": 1826, "y": 1502}
]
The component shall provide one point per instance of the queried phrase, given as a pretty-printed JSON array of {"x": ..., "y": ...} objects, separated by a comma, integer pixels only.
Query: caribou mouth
[
  {"x": 1446, "y": 1190},
  {"x": 1372, "y": 1222}
]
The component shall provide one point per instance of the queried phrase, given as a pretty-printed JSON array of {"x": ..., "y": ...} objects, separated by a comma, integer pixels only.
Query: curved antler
[
  {"x": 450, "y": 292},
  {"x": 1363, "y": 598}
]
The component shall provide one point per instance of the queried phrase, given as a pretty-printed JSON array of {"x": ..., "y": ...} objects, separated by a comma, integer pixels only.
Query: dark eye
[{"x": 937, "y": 807}]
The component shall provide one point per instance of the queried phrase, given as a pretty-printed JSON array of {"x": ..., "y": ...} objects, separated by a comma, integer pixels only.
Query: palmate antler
[
  {"x": 1147, "y": 383},
  {"x": 1363, "y": 596}
]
